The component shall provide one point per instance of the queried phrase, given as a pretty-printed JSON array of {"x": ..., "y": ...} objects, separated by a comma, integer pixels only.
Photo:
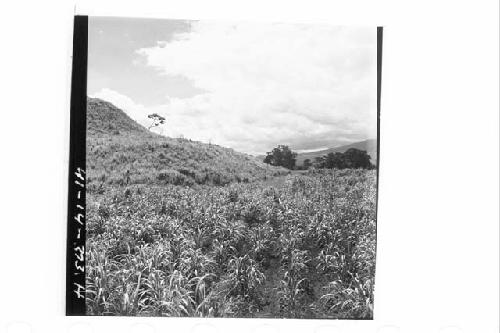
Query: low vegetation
[{"x": 301, "y": 248}]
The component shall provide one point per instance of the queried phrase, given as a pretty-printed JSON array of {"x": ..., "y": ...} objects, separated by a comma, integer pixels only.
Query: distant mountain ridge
[
  {"x": 120, "y": 151},
  {"x": 370, "y": 146}
]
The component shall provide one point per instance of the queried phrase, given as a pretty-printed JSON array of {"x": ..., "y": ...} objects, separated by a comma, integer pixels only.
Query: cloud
[{"x": 266, "y": 84}]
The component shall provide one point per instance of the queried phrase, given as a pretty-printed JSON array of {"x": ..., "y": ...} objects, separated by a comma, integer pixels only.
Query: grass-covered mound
[{"x": 122, "y": 152}]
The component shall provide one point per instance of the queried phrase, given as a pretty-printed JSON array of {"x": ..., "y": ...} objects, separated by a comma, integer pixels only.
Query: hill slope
[
  {"x": 370, "y": 146},
  {"x": 120, "y": 151},
  {"x": 105, "y": 119}
]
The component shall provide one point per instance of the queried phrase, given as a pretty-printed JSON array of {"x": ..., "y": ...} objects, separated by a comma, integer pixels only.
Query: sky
[{"x": 247, "y": 86}]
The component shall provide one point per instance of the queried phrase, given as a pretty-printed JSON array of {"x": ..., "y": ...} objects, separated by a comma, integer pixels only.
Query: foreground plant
[{"x": 303, "y": 246}]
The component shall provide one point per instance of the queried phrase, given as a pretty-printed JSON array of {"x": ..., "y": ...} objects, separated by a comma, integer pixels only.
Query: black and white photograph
[
  {"x": 224, "y": 166},
  {"x": 231, "y": 169}
]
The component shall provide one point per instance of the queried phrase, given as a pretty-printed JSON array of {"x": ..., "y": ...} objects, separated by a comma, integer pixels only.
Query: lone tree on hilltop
[
  {"x": 157, "y": 120},
  {"x": 281, "y": 156}
]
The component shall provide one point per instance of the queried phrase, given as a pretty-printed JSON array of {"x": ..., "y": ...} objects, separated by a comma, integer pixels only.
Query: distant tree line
[{"x": 350, "y": 159}]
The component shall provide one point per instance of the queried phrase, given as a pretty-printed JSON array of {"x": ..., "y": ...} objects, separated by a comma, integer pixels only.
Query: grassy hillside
[
  {"x": 120, "y": 151},
  {"x": 370, "y": 146},
  {"x": 105, "y": 120}
]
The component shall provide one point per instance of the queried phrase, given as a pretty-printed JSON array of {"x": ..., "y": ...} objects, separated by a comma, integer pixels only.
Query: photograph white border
[{"x": 438, "y": 219}]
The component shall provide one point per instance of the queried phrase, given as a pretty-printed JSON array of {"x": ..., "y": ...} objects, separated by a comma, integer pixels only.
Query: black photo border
[{"x": 75, "y": 245}]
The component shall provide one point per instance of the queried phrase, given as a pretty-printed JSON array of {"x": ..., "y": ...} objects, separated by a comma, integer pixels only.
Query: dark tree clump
[
  {"x": 351, "y": 159},
  {"x": 281, "y": 156},
  {"x": 319, "y": 162},
  {"x": 307, "y": 164},
  {"x": 357, "y": 159},
  {"x": 335, "y": 160}
]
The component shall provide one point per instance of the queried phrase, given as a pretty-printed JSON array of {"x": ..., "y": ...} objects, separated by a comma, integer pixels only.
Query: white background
[{"x": 438, "y": 222}]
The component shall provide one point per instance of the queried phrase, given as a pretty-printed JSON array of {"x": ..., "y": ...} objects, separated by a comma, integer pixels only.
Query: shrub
[
  {"x": 172, "y": 177},
  {"x": 233, "y": 195}
]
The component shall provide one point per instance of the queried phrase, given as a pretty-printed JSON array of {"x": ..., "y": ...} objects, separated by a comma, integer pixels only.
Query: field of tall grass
[{"x": 296, "y": 246}]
